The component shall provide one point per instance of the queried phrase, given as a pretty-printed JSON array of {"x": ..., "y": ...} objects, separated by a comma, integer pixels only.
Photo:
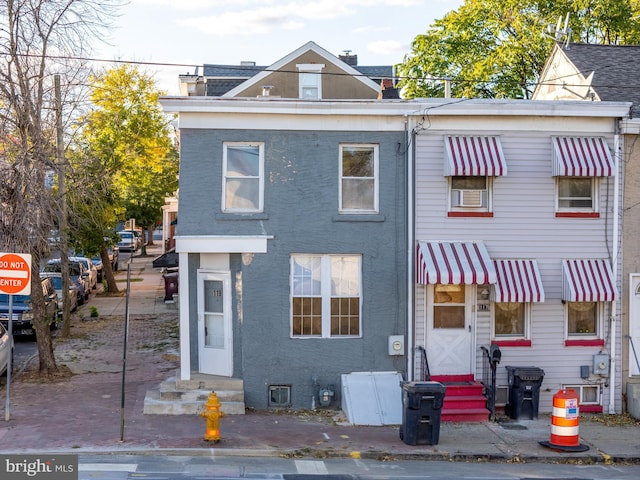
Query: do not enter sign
[{"x": 15, "y": 273}]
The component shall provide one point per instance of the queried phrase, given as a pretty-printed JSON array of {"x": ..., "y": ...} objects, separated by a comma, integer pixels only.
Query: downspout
[
  {"x": 614, "y": 266},
  {"x": 410, "y": 244}
]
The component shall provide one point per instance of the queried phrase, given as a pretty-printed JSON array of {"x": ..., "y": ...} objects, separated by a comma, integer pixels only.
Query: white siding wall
[{"x": 523, "y": 226}]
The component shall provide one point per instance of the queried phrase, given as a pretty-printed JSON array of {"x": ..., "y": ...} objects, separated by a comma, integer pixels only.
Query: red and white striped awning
[
  {"x": 588, "y": 280},
  {"x": 474, "y": 157},
  {"x": 582, "y": 157},
  {"x": 454, "y": 263},
  {"x": 518, "y": 281}
]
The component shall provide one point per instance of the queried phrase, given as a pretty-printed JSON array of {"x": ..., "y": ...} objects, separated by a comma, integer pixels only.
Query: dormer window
[{"x": 310, "y": 81}]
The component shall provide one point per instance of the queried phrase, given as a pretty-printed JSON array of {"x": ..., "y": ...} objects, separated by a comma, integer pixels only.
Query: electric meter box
[
  {"x": 600, "y": 364},
  {"x": 396, "y": 344}
]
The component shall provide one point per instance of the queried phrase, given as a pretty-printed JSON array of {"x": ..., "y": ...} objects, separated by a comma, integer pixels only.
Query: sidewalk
[{"x": 82, "y": 413}]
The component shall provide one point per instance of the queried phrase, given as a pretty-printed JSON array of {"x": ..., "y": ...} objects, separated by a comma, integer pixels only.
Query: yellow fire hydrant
[{"x": 213, "y": 414}]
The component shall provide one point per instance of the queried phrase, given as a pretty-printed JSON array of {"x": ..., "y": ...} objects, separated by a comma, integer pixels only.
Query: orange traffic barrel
[{"x": 565, "y": 421}]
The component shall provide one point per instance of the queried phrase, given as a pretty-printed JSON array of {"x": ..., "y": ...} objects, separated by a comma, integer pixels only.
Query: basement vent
[{"x": 279, "y": 395}]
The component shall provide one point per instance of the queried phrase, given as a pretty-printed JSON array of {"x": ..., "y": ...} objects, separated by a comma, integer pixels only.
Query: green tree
[
  {"x": 128, "y": 137},
  {"x": 497, "y": 48}
]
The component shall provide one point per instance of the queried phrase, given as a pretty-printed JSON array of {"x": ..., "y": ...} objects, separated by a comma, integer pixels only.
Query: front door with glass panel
[
  {"x": 449, "y": 341},
  {"x": 215, "y": 334}
]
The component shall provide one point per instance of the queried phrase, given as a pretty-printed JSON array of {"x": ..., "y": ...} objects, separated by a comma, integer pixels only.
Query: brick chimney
[
  {"x": 351, "y": 60},
  {"x": 387, "y": 90}
]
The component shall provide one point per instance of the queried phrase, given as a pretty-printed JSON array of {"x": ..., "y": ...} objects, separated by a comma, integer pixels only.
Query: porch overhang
[
  {"x": 222, "y": 243},
  {"x": 454, "y": 263}
]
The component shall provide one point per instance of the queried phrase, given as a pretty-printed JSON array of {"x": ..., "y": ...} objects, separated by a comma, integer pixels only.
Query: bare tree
[{"x": 39, "y": 39}]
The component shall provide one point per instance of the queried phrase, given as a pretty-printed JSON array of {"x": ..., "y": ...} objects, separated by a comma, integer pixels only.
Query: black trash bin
[
  {"x": 524, "y": 392},
  {"x": 170, "y": 285},
  {"x": 421, "y": 408}
]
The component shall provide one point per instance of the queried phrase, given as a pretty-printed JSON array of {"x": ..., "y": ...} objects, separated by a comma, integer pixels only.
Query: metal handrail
[
  {"x": 491, "y": 358},
  {"x": 426, "y": 374}
]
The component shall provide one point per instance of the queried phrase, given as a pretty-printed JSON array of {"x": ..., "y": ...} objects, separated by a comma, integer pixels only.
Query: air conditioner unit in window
[{"x": 470, "y": 198}]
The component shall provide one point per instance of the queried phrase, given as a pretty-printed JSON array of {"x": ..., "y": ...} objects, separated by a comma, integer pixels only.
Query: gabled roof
[
  {"x": 309, "y": 46},
  {"x": 229, "y": 80},
  {"x": 615, "y": 70}
]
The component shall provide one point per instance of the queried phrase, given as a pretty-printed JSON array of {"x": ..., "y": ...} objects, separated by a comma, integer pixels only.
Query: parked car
[
  {"x": 74, "y": 293},
  {"x": 6, "y": 349},
  {"x": 128, "y": 241},
  {"x": 114, "y": 256},
  {"x": 22, "y": 315},
  {"x": 97, "y": 263},
  {"x": 76, "y": 275},
  {"x": 91, "y": 271}
]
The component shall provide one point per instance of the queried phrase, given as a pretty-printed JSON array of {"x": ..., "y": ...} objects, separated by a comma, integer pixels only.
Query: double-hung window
[
  {"x": 358, "y": 178},
  {"x": 243, "y": 176},
  {"x": 310, "y": 81},
  {"x": 471, "y": 163},
  {"x": 326, "y": 296},
  {"x": 578, "y": 164},
  {"x": 576, "y": 194},
  {"x": 583, "y": 319}
]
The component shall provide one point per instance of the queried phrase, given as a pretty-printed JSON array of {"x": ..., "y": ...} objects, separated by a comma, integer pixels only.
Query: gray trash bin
[
  {"x": 524, "y": 391},
  {"x": 421, "y": 409}
]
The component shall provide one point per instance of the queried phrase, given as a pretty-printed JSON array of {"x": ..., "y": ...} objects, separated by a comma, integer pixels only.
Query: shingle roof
[
  {"x": 223, "y": 78},
  {"x": 616, "y": 70}
]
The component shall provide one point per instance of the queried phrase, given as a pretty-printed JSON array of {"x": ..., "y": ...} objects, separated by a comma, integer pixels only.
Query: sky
[{"x": 172, "y": 37}]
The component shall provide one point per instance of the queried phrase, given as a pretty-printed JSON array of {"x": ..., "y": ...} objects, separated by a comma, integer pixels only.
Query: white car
[
  {"x": 6, "y": 349},
  {"x": 127, "y": 241}
]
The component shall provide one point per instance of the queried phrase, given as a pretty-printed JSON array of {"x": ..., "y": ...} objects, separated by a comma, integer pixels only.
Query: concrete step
[
  {"x": 155, "y": 405},
  {"x": 200, "y": 381},
  {"x": 184, "y": 397}
]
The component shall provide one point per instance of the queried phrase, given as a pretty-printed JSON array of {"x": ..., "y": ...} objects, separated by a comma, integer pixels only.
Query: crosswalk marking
[
  {"x": 108, "y": 467},
  {"x": 311, "y": 467}
]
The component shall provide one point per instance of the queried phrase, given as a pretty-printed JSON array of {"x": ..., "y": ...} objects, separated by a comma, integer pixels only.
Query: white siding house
[{"x": 517, "y": 241}]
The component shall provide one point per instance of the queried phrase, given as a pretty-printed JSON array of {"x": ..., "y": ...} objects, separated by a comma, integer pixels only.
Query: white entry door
[
  {"x": 215, "y": 333},
  {"x": 449, "y": 341}
]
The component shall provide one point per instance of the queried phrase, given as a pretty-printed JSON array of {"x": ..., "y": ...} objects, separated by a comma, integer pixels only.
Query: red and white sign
[{"x": 15, "y": 273}]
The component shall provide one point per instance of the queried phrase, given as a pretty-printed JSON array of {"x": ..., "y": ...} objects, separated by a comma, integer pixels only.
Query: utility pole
[{"x": 62, "y": 220}]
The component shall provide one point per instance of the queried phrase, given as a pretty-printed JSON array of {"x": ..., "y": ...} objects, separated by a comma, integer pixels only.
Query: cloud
[{"x": 387, "y": 47}]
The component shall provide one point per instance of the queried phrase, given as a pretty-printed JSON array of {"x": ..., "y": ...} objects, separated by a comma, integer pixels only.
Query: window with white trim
[
  {"x": 469, "y": 194},
  {"x": 587, "y": 394},
  {"x": 243, "y": 176},
  {"x": 511, "y": 320},
  {"x": 576, "y": 194},
  {"x": 584, "y": 319},
  {"x": 310, "y": 81},
  {"x": 358, "y": 185},
  {"x": 326, "y": 296}
]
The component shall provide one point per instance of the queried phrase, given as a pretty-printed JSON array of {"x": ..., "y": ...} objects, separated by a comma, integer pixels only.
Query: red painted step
[{"x": 464, "y": 399}]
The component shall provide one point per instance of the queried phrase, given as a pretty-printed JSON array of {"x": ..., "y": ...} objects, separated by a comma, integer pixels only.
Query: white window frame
[
  {"x": 310, "y": 71},
  {"x": 325, "y": 293},
  {"x": 599, "y": 334},
  {"x": 580, "y": 391},
  {"x": 259, "y": 177},
  {"x": 376, "y": 178},
  {"x": 488, "y": 194},
  {"x": 527, "y": 324},
  {"x": 594, "y": 197}
]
